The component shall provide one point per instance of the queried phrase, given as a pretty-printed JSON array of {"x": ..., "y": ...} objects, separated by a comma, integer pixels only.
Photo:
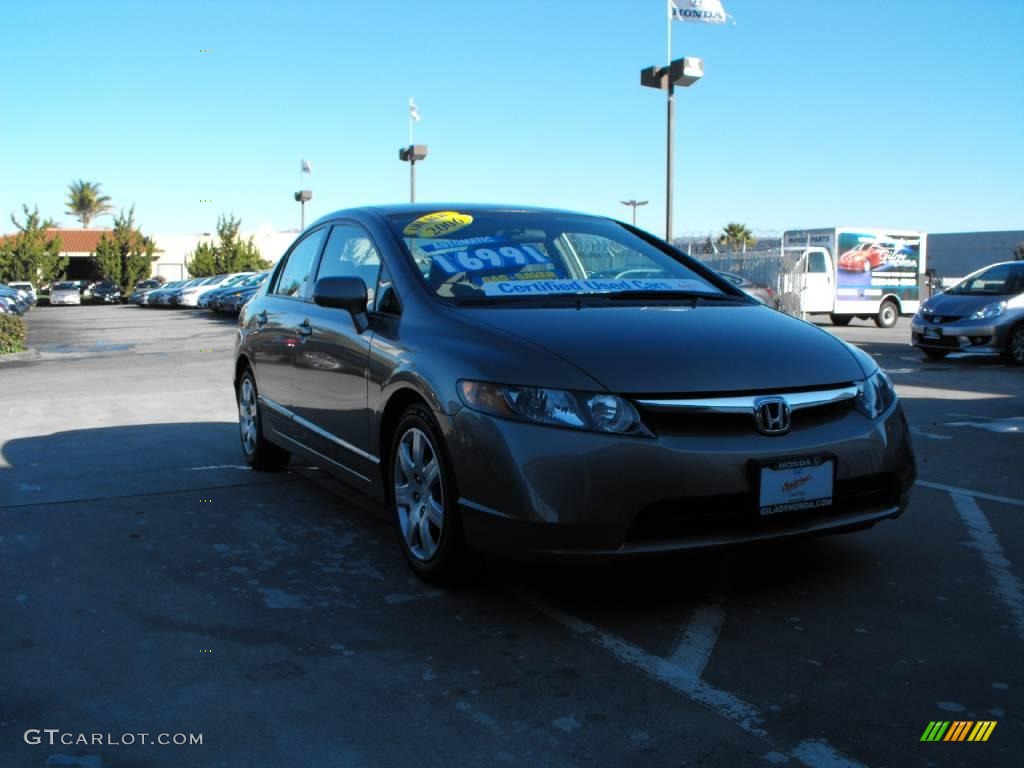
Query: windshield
[
  {"x": 253, "y": 280},
  {"x": 507, "y": 255},
  {"x": 1000, "y": 280},
  {"x": 65, "y": 287}
]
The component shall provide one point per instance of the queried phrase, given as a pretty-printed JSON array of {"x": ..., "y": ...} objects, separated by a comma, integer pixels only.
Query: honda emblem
[{"x": 772, "y": 415}]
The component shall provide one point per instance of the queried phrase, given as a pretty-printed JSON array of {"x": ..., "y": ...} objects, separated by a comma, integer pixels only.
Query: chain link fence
[{"x": 778, "y": 269}]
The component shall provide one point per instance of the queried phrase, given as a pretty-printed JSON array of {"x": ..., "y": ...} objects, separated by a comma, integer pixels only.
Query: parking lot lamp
[
  {"x": 411, "y": 155},
  {"x": 634, "y": 204},
  {"x": 301, "y": 197},
  {"x": 684, "y": 72}
]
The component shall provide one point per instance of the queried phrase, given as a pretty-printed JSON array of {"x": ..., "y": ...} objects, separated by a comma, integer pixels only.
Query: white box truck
[{"x": 847, "y": 272}]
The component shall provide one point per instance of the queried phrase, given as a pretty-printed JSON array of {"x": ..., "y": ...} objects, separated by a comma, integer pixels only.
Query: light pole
[
  {"x": 684, "y": 72},
  {"x": 634, "y": 204},
  {"x": 301, "y": 197},
  {"x": 410, "y": 155}
]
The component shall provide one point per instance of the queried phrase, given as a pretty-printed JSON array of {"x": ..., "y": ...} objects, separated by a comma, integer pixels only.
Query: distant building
[
  {"x": 957, "y": 254},
  {"x": 171, "y": 250}
]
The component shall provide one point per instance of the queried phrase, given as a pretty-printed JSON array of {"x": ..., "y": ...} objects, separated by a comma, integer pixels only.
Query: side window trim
[{"x": 379, "y": 294}]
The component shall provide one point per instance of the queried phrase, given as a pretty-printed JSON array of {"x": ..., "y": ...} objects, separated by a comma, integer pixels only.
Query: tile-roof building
[{"x": 172, "y": 250}]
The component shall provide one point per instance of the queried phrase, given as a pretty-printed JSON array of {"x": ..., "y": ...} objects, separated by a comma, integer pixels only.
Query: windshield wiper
[
  {"x": 693, "y": 296},
  {"x": 514, "y": 298},
  {"x": 689, "y": 297}
]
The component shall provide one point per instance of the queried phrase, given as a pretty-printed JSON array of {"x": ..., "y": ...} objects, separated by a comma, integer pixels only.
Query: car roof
[{"x": 423, "y": 209}]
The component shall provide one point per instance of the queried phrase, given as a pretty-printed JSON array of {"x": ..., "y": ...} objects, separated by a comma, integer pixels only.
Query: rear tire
[
  {"x": 841, "y": 319},
  {"x": 260, "y": 453},
  {"x": 1014, "y": 352},
  {"x": 935, "y": 354},
  {"x": 887, "y": 315},
  {"x": 423, "y": 500}
]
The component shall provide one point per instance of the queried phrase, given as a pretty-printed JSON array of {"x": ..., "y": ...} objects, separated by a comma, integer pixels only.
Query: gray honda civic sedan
[{"x": 504, "y": 381}]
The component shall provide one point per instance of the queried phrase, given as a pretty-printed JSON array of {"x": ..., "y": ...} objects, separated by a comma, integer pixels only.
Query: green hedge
[{"x": 12, "y": 334}]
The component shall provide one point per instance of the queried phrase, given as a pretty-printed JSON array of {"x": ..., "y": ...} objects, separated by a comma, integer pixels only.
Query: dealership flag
[
  {"x": 307, "y": 167},
  {"x": 414, "y": 111},
  {"x": 698, "y": 11}
]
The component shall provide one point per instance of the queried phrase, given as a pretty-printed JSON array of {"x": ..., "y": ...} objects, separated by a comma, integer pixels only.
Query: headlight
[
  {"x": 597, "y": 412},
  {"x": 876, "y": 394},
  {"x": 989, "y": 311}
]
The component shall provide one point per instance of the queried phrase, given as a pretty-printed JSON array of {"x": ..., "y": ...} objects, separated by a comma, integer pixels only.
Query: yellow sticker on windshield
[{"x": 440, "y": 224}]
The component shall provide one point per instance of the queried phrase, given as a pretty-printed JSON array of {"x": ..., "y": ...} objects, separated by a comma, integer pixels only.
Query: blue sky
[{"x": 905, "y": 113}]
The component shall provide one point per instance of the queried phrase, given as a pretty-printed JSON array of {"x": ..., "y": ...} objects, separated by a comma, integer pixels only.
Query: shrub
[{"x": 12, "y": 334}]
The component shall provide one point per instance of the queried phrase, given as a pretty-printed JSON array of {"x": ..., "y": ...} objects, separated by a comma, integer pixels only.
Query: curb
[{"x": 14, "y": 357}]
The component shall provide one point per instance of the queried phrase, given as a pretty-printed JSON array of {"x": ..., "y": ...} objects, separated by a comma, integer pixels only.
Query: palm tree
[
  {"x": 85, "y": 202},
  {"x": 737, "y": 236}
]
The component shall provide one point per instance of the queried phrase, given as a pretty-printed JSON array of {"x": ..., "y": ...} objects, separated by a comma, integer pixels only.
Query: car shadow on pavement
[{"x": 151, "y": 465}]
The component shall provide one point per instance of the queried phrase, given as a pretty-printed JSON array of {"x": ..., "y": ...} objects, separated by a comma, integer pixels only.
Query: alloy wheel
[
  {"x": 247, "y": 415},
  {"x": 419, "y": 493},
  {"x": 1017, "y": 344}
]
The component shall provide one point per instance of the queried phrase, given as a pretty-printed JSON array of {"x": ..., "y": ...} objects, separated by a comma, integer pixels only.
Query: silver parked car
[
  {"x": 465, "y": 365},
  {"x": 982, "y": 314},
  {"x": 67, "y": 292}
]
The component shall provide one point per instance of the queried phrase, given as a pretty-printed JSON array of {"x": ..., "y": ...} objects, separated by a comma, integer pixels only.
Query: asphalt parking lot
[{"x": 150, "y": 583}]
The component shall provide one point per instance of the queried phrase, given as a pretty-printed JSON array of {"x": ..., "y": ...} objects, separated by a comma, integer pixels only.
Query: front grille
[
  {"x": 944, "y": 341},
  {"x": 943, "y": 318},
  {"x": 685, "y": 423},
  {"x": 737, "y": 514}
]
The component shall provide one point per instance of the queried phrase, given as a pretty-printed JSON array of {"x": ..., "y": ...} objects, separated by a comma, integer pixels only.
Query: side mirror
[{"x": 348, "y": 293}]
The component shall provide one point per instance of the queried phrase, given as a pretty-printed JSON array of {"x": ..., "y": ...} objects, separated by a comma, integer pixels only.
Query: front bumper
[
  {"x": 527, "y": 488},
  {"x": 65, "y": 300},
  {"x": 974, "y": 336}
]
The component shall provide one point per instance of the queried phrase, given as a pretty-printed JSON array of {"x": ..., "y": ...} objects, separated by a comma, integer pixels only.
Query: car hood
[
  {"x": 958, "y": 305},
  {"x": 671, "y": 349}
]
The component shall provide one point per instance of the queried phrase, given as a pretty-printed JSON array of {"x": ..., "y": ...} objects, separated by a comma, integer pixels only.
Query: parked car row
[
  {"x": 16, "y": 298},
  {"x": 84, "y": 291},
  {"x": 221, "y": 293}
]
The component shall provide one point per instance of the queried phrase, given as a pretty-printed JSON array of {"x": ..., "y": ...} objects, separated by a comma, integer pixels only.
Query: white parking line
[
  {"x": 975, "y": 494},
  {"x": 815, "y": 753},
  {"x": 922, "y": 433},
  {"x": 697, "y": 638},
  {"x": 1008, "y": 587},
  {"x": 819, "y": 753}
]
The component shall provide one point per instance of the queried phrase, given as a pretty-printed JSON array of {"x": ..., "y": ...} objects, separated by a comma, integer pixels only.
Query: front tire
[
  {"x": 423, "y": 499},
  {"x": 887, "y": 315},
  {"x": 259, "y": 452},
  {"x": 1014, "y": 352}
]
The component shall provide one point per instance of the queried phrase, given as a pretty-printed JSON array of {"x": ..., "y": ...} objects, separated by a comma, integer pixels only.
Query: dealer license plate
[
  {"x": 796, "y": 484},
  {"x": 932, "y": 333}
]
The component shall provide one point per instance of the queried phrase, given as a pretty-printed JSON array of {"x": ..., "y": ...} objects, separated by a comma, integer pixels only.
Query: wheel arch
[
  {"x": 241, "y": 364},
  {"x": 894, "y": 299},
  {"x": 397, "y": 403}
]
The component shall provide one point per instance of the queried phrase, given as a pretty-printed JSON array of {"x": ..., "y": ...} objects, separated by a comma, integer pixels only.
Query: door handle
[
  {"x": 261, "y": 318},
  {"x": 305, "y": 329}
]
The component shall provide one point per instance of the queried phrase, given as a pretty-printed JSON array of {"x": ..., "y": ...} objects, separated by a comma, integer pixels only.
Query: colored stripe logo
[{"x": 958, "y": 730}]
